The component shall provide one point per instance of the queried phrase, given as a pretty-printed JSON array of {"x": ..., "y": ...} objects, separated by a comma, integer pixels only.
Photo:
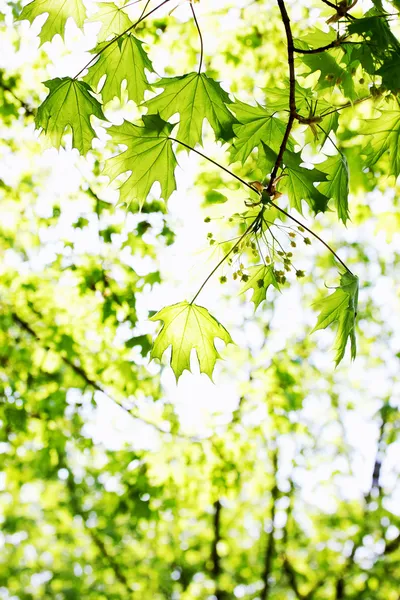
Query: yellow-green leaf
[
  {"x": 341, "y": 306},
  {"x": 148, "y": 156},
  {"x": 260, "y": 278},
  {"x": 124, "y": 60},
  {"x": 195, "y": 97},
  {"x": 187, "y": 327},
  {"x": 114, "y": 20},
  {"x": 58, "y": 12}
]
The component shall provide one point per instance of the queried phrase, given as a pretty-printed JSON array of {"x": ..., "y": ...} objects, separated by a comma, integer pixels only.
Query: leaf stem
[
  {"x": 281, "y": 210},
  {"x": 200, "y": 37},
  {"x": 214, "y": 163},
  {"x": 118, "y": 37}
]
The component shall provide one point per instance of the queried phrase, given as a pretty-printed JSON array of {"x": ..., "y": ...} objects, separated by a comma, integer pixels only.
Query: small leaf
[
  {"x": 187, "y": 326},
  {"x": 69, "y": 103},
  {"x": 260, "y": 278},
  {"x": 341, "y": 306},
  {"x": 125, "y": 61},
  {"x": 195, "y": 97},
  {"x": 337, "y": 186},
  {"x": 58, "y": 13},
  {"x": 148, "y": 156}
]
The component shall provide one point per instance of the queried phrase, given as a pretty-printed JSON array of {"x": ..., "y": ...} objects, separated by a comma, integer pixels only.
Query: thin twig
[
  {"x": 200, "y": 37},
  {"x": 312, "y": 233},
  {"x": 223, "y": 259},
  {"x": 79, "y": 370},
  {"x": 214, "y": 163}
]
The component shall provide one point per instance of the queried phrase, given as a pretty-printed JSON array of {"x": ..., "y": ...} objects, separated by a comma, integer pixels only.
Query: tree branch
[
  {"x": 292, "y": 95},
  {"x": 215, "y": 557},
  {"x": 80, "y": 371},
  {"x": 109, "y": 559}
]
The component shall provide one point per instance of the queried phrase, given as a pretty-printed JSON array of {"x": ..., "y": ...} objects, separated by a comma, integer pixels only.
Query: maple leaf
[
  {"x": 260, "y": 278},
  {"x": 148, "y": 155},
  {"x": 114, "y": 20},
  {"x": 341, "y": 306},
  {"x": 195, "y": 97},
  {"x": 58, "y": 12},
  {"x": 332, "y": 73},
  {"x": 256, "y": 125},
  {"x": 187, "y": 326},
  {"x": 337, "y": 186},
  {"x": 385, "y": 139},
  {"x": 69, "y": 103},
  {"x": 299, "y": 181},
  {"x": 119, "y": 62}
]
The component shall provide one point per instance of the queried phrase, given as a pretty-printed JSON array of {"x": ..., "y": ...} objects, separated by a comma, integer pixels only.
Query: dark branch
[
  {"x": 292, "y": 95},
  {"x": 28, "y": 110},
  {"x": 215, "y": 557}
]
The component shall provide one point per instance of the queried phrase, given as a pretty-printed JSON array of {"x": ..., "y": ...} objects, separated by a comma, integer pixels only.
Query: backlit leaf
[
  {"x": 114, "y": 20},
  {"x": 195, "y": 97},
  {"x": 337, "y": 186},
  {"x": 341, "y": 306},
  {"x": 187, "y": 326},
  {"x": 260, "y": 278},
  {"x": 119, "y": 62},
  {"x": 69, "y": 104},
  {"x": 256, "y": 125},
  {"x": 148, "y": 156},
  {"x": 58, "y": 12}
]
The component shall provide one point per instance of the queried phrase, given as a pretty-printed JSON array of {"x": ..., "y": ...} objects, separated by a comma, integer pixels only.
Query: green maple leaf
[
  {"x": 332, "y": 73},
  {"x": 58, "y": 12},
  {"x": 260, "y": 278},
  {"x": 385, "y": 139},
  {"x": 341, "y": 306},
  {"x": 298, "y": 182},
  {"x": 195, "y": 97},
  {"x": 149, "y": 156},
  {"x": 114, "y": 20},
  {"x": 122, "y": 61},
  {"x": 256, "y": 125},
  {"x": 187, "y": 326},
  {"x": 69, "y": 103},
  {"x": 337, "y": 186}
]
